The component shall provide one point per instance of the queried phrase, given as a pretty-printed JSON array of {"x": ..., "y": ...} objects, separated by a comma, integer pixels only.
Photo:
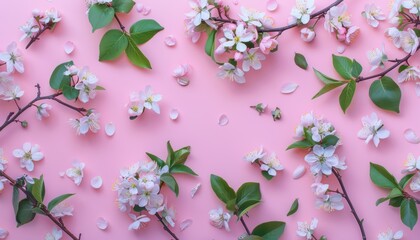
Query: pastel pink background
[{"x": 215, "y": 149}]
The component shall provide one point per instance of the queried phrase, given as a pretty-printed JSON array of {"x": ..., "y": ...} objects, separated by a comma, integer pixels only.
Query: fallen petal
[
  {"x": 299, "y": 172},
  {"x": 183, "y": 81},
  {"x": 185, "y": 224},
  {"x": 341, "y": 49},
  {"x": 68, "y": 47},
  {"x": 173, "y": 115},
  {"x": 411, "y": 136},
  {"x": 289, "y": 88},
  {"x": 110, "y": 129},
  {"x": 96, "y": 182},
  {"x": 223, "y": 120},
  {"x": 195, "y": 189},
  {"x": 61, "y": 174},
  {"x": 272, "y": 5},
  {"x": 139, "y": 7},
  {"x": 4, "y": 233},
  {"x": 146, "y": 11},
  {"x": 101, "y": 223},
  {"x": 170, "y": 41}
]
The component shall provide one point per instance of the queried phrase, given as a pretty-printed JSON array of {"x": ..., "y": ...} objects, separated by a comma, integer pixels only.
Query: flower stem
[
  {"x": 407, "y": 195},
  {"x": 353, "y": 210},
  {"x": 119, "y": 23},
  {"x": 313, "y": 237},
  {"x": 166, "y": 227},
  {"x": 398, "y": 62},
  {"x": 36, "y": 37},
  {"x": 14, "y": 115},
  {"x": 245, "y": 226},
  {"x": 59, "y": 222}
]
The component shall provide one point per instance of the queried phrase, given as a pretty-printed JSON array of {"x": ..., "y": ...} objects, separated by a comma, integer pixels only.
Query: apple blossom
[
  {"x": 139, "y": 221},
  {"x": 321, "y": 129},
  {"x": 12, "y": 92},
  {"x": 238, "y": 38},
  {"x": 337, "y": 18},
  {"x": 268, "y": 44},
  {"x": 62, "y": 209},
  {"x": 27, "y": 155},
  {"x": 271, "y": 164},
  {"x": 319, "y": 189},
  {"x": 373, "y": 14},
  {"x": 411, "y": 164},
  {"x": 87, "y": 85},
  {"x": 229, "y": 71},
  {"x": 409, "y": 41},
  {"x": 306, "y": 230},
  {"x": 51, "y": 16},
  {"x": 220, "y": 219},
  {"x": 301, "y": 12},
  {"x": 412, "y": 5},
  {"x": 150, "y": 100},
  {"x": 395, "y": 35},
  {"x": 56, "y": 234},
  {"x": 76, "y": 172},
  {"x": 255, "y": 155},
  {"x": 411, "y": 73},
  {"x": 13, "y": 58},
  {"x": 395, "y": 8},
  {"x": 252, "y": 59},
  {"x": 373, "y": 128},
  {"x": 322, "y": 160},
  {"x": 29, "y": 29},
  {"x": 200, "y": 11},
  {"x": 390, "y": 235},
  {"x": 86, "y": 123},
  {"x": 307, "y": 34},
  {"x": 377, "y": 58},
  {"x": 42, "y": 111},
  {"x": 330, "y": 202},
  {"x": 252, "y": 17}
]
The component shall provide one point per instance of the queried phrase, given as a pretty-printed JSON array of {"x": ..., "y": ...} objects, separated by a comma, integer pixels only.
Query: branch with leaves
[
  {"x": 239, "y": 204},
  {"x": 32, "y": 203},
  {"x": 115, "y": 41}
]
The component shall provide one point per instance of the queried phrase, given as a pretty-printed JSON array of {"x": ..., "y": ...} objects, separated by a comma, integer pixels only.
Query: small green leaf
[
  {"x": 58, "y": 200},
  {"x": 330, "y": 140},
  {"x": 99, "y": 88},
  {"x": 57, "y": 76},
  {"x": 113, "y": 43},
  {"x": 266, "y": 175},
  {"x": 100, "y": 15},
  {"x": 404, "y": 181},
  {"x": 144, "y": 30},
  {"x": 247, "y": 192},
  {"x": 327, "y": 88},
  {"x": 347, "y": 94},
  {"x": 356, "y": 69},
  {"x": 325, "y": 79},
  {"x": 181, "y": 155},
  {"x": 123, "y": 6},
  {"x": 70, "y": 92},
  {"x": 24, "y": 214},
  {"x": 247, "y": 206},
  {"x": 408, "y": 213},
  {"x": 171, "y": 154},
  {"x": 343, "y": 66},
  {"x": 253, "y": 237},
  {"x": 169, "y": 180},
  {"x": 269, "y": 230},
  {"x": 396, "y": 202},
  {"x": 381, "y": 200},
  {"x": 180, "y": 168},
  {"x": 135, "y": 56},
  {"x": 209, "y": 48},
  {"x": 402, "y": 68},
  {"x": 38, "y": 210},
  {"x": 156, "y": 159},
  {"x": 386, "y": 94},
  {"x": 222, "y": 189},
  {"x": 395, "y": 192},
  {"x": 300, "y": 61},
  {"x": 15, "y": 199},
  {"x": 301, "y": 144},
  {"x": 381, "y": 177},
  {"x": 38, "y": 189},
  {"x": 294, "y": 207}
]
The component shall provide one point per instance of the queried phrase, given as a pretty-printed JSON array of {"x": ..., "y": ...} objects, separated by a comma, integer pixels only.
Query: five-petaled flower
[
  {"x": 238, "y": 38},
  {"x": 76, "y": 172},
  {"x": 86, "y": 123},
  {"x": 200, "y": 11},
  {"x": 271, "y": 164},
  {"x": 301, "y": 13},
  {"x": 220, "y": 219},
  {"x": 27, "y": 155},
  {"x": 373, "y": 14},
  {"x": 322, "y": 160},
  {"x": 13, "y": 58},
  {"x": 232, "y": 73},
  {"x": 307, "y": 230},
  {"x": 373, "y": 129}
]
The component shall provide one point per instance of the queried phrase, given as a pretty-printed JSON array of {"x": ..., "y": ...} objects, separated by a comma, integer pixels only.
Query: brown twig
[
  {"x": 166, "y": 227},
  {"x": 12, "y": 117},
  {"x": 346, "y": 196},
  {"x": 245, "y": 226},
  {"x": 119, "y": 23},
  {"x": 59, "y": 222},
  {"x": 38, "y": 34}
]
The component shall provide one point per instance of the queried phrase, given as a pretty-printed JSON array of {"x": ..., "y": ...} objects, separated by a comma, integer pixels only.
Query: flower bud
[
  {"x": 24, "y": 124},
  {"x": 307, "y": 34}
]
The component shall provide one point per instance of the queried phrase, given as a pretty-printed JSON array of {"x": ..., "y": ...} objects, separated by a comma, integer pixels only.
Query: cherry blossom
[
  {"x": 13, "y": 58},
  {"x": 27, "y": 155},
  {"x": 232, "y": 73},
  {"x": 238, "y": 38},
  {"x": 307, "y": 230},
  {"x": 86, "y": 123},
  {"x": 377, "y": 58},
  {"x": 271, "y": 164},
  {"x": 252, "y": 59},
  {"x": 220, "y": 219},
  {"x": 373, "y": 14},
  {"x": 322, "y": 160},
  {"x": 373, "y": 129},
  {"x": 76, "y": 172},
  {"x": 301, "y": 12},
  {"x": 255, "y": 155},
  {"x": 42, "y": 111},
  {"x": 307, "y": 34}
]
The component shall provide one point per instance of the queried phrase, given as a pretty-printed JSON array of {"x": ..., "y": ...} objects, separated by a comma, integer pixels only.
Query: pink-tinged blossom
[
  {"x": 252, "y": 59},
  {"x": 228, "y": 71},
  {"x": 307, "y": 34},
  {"x": 268, "y": 44},
  {"x": 237, "y": 39},
  {"x": 13, "y": 58},
  {"x": 373, "y": 14},
  {"x": 86, "y": 123}
]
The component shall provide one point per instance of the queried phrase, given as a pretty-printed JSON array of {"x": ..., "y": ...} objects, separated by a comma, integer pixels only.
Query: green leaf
[
  {"x": 99, "y": 88},
  {"x": 24, "y": 214},
  {"x": 294, "y": 207},
  {"x": 100, "y": 15},
  {"x": 300, "y": 61},
  {"x": 123, "y": 6},
  {"x": 356, "y": 69},
  {"x": 402, "y": 68},
  {"x": 113, "y": 43},
  {"x": 327, "y": 88},
  {"x": 386, "y": 94},
  {"x": 180, "y": 168},
  {"x": 181, "y": 155},
  {"x": 169, "y": 180},
  {"x": 247, "y": 206},
  {"x": 266, "y": 175},
  {"x": 381, "y": 177},
  {"x": 301, "y": 144},
  {"x": 408, "y": 213},
  {"x": 381, "y": 200},
  {"x": 144, "y": 30},
  {"x": 417, "y": 32},
  {"x": 137, "y": 208},
  {"x": 209, "y": 48},
  {"x": 396, "y": 202},
  {"x": 325, "y": 79},
  {"x": 404, "y": 181},
  {"x": 343, "y": 66},
  {"x": 38, "y": 189},
  {"x": 57, "y": 76},
  {"x": 135, "y": 56},
  {"x": 222, "y": 189},
  {"x": 171, "y": 154},
  {"x": 330, "y": 140},
  {"x": 70, "y": 92},
  {"x": 58, "y": 200},
  {"x": 38, "y": 210},
  {"x": 253, "y": 237},
  {"x": 347, "y": 94},
  {"x": 231, "y": 205},
  {"x": 248, "y": 191},
  {"x": 395, "y": 192},
  {"x": 15, "y": 199},
  {"x": 269, "y": 230},
  {"x": 156, "y": 159}
]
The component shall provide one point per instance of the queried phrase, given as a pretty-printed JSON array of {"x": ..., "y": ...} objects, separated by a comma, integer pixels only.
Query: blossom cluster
[
  {"x": 12, "y": 59},
  {"x": 139, "y": 101},
  {"x": 138, "y": 189},
  {"x": 338, "y": 21},
  {"x": 40, "y": 22},
  {"x": 269, "y": 165},
  {"x": 322, "y": 158}
]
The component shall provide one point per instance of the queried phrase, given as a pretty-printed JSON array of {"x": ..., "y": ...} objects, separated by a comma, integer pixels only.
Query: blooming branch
[{"x": 166, "y": 227}]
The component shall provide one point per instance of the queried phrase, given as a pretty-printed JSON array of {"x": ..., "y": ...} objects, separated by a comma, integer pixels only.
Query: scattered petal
[
  {"x": 223, "y": 120},
  {"x": 139, "y": 7},
  {"x": 272, "y": 5},
  {"x": 68, "y": 47},
  {"x": 183, "y": 81},
  {"x": 110, "y": 129},
  {"x": 289, "y": 88},
  {"x": 235, "y": 2},
  {"x": 299, "y": 172},
  {"x": 195, "y": 189},
  {"x": 4, "y": 233},
  {"x": 341, "y": 49},
  {"x": 173, "y": 115},
  {"x": 170, "y": 41},
  {"x": 146, "y": 11},
  {"x": 411, "y": 136},
  {"x": 185, "y": 224},
  {"x": 101, "y": 223},
  {"x": 61, "y": 174},
  {"x": 96, "y": 182}
]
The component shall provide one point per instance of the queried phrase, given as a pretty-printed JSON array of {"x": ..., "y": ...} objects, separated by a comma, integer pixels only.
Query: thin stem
[
  {"x": 346, "y": 196},
  {"x": 44, "y": 208},
  {"x": 16, "y": 103},
  {"x": 317, "y": 14},
  {"x": 14, "y": 115},
  {"x": 397, "y": 62},
  {"x": 245, "y": 226},
  {"x": 313, "y": 237},
  {"x": 119, "y": 23},
  {"x": 36, "y": 37},
  {"x": 407, "y": 195},
  {"x": 166, "y": 227}
]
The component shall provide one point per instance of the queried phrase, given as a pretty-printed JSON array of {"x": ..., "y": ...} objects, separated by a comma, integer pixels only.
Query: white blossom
[
  {"x": 87, "y": 85},
  {"x": 200, "y": 11},
  {"x": 306, "y": 230},
  {"x": 42, "y": 111},
  {"x": 220, "y": 219},
  {"x": 271, "y": 164},
  {"x": 330, "y": 202},
  {"x": 50, "y": 16},
  {"x": 3, "y": 161},
  {"x": 86, "y": 123},
  {"x": 252, "y": 17},
  {"x": 56, "y": 234},
  {"x": 415, "y": 183},
  {"x": 62, "y": 209},
  {"x": 412, "y": 5},
  {"x": 322, "y": 160},
  {"x": 373, "y": 129},
  {"x": 28, "y": 155},
  {"x": 301, "y": 12},
  {"x": 139, "y": 221},
  {"x": 411, "y": 73},
  {"x": 150, "y": 100},
  {"x": 390, "y": 235},
  {"x": 29, "y": 29},
  {"x": 409, "y": 41},
  {"x": 232, "y": 73},
  {"x": 13, "y": 58},
  {"x": 254, "y": 155},
  {"x": 238, "y": 38},
  {"x": 377, "y": 58},
  {"x": 373, "y": 14},
  {"x": 76, "y": 172},
  {"x": 252, "y": 59}
]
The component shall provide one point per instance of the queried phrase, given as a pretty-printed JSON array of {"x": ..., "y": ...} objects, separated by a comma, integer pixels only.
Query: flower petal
[
  {"x": 68, "y": 47},
  {"x": 101, "y": 223},
  {"x": 96, "y": 182},
  {"x": 223, "y": 120},
  {"x": 110, "y": 129},
  {"x": 289, "y": 88},
  {"x": 411, "y": 136},
  {"x": 272, "y": 5}
]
